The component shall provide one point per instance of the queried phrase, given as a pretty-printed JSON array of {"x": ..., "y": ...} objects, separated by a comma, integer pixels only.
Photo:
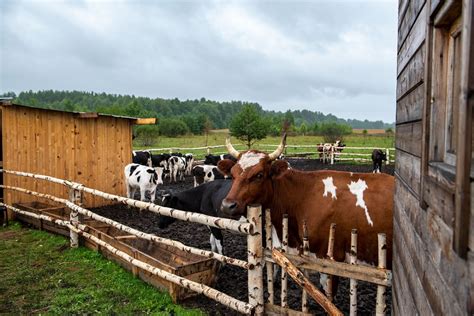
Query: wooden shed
[
  {"x": 433, "y": 214},
  {"x": 88, "y": 148}
]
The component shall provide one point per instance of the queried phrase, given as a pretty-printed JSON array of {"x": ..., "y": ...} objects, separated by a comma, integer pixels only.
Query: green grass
[
  {"x": 40, "y": 274},
  {"x": 218, "y": 138}
]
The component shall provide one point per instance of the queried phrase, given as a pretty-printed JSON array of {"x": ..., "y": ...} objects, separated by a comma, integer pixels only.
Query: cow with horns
[{"x": 319, "y": 198}]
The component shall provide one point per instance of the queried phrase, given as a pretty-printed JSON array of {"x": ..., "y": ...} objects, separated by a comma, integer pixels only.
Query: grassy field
[
  {"x": 40, "y": 274},
  {"x": 218, "y": 138}
]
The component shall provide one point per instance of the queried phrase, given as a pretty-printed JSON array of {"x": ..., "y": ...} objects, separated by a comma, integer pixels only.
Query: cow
[
  {"x": 142, "y": 157},
  {"x": 205, "y": 199},
  {"x": 189, "y": 158},
  {"x": 378, "y": 156},
  {"x": 213, "y": 159},
  {"x": 143, "y": 178},
  {"x": 206, "y": 173},
  {"x": 326, "y": 149},
  {"x": 177, "y": 167},
  {"x": 351, "y": 200}
]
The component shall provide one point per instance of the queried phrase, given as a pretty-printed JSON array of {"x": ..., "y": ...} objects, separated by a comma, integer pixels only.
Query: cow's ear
[
  {"x": 224, "y": 166},
  {"x": 278, "y": 169}
]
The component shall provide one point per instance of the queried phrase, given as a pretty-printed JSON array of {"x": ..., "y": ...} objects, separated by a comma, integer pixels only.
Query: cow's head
[
  {"x": 252, "y": 175},
  {"x": 170, "y": 201}
]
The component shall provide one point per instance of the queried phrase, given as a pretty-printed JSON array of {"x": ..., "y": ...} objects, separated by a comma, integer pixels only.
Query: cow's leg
[
  {"x": 142, "y": 194},
  {"x": 217, "y": 240}
]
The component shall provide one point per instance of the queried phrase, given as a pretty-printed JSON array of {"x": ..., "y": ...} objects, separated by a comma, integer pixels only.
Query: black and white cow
[
  {"x": 206, "y": 173},
  {"x": 3, "y": 216},
  {"x": 143, "y": 178},
  {"x": 205, "y": 199},
  {"x": 177, "y": 168},
  {"x": 189, "y": 163},
  {"x": 160, "y": 160},
  {"x": 213, "y": 159},
  {"x": 142, "y": 157},
  {"x": 378, "y": 156}
]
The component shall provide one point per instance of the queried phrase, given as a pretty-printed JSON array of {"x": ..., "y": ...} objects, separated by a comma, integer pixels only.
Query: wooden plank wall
[
  {"x": 429, "y": 278},
  {"x": 89, "y": 151}
]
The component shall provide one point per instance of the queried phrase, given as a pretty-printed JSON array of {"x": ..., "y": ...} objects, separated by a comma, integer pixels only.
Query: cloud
[{"x": 336, "y": 56}]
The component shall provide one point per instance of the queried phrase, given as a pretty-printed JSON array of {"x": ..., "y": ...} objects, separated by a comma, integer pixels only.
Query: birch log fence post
[
  {"x": 330, "y": 254},
  {"x": 75, "y": 196},
  {"x": 269, "y": 246},
  {"x": 304, "y": 297},
  {"x": 284, "y": 249},
  {"x": 387, "y": 153},
  {"x": 380, "y": 305},
  {"x": 255, "y": 259},
  {"x": 353, "y": 282}
]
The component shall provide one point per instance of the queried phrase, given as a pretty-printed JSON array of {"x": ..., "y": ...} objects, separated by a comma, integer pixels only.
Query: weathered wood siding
[
  {"x": 429, "y": 277},
  {"x": 91, "y": 151}
]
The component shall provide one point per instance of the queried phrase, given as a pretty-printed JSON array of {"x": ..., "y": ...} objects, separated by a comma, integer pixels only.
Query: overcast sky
[{"x": 331, "y": 56}]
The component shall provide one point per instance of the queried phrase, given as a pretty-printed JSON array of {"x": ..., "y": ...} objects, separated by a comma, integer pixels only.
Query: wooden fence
[
  {"x": 296, "y": 266},
  {"x": 358, "y": 154}
]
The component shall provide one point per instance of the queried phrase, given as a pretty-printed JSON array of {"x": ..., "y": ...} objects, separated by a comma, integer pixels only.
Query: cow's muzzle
[{"x": 228, "y": 207}]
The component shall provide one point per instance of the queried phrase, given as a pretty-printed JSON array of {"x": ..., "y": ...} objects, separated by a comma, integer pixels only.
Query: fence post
[
  {"x": 304, "y": 296},
  {"x": 332, "y": 155},
  {"x": 255, "y": 259},
  {"x": 75, "y": 196},
  {"x": 208, "y": 150},
  {"x": 284, "y": 276},
  {"x": 387, "y": 152},
  {"x": 330, "y": 254},
  {"x": 269, "y": 246},
  {"x": 380, "y": 305},
  {"x": 353, "y": 282}
]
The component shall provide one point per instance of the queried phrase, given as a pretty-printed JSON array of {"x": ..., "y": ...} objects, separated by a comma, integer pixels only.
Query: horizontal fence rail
[
  {"x": 132, "y": 231},
  {"x": 335, "y": 153},
  {"x": 218, "y": 222}
]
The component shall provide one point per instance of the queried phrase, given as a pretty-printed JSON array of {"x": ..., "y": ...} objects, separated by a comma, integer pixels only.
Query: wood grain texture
[
  {"x": 412, "y": 75},
  {"x": 410, "y": 108},
  {"x": 91, "y": 151},
  {"x": 413, "y": 41},
  {"x": 412, "y": 10},
  {"x": 408, "y": 169},
  {"x": 408, "y": 138}
]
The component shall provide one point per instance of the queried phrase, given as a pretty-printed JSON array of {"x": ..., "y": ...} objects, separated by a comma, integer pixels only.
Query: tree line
[{"x": 178, "y": 117}]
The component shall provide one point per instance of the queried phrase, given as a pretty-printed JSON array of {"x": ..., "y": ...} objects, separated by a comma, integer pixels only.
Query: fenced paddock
[
  {"x": 110, "y": 237},
  {"x": 351, "y": 154}
]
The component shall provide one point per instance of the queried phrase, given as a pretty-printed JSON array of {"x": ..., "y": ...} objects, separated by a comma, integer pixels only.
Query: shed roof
[{"x": 135, "y": 120}]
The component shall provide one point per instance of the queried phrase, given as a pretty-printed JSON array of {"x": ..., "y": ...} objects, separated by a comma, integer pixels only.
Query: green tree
[
  {"x": 333, "y": 131},
  {"x": 248, "y": 125},
  {"x": 173, "y": 127},
  {"x": 147, "y": 134},
  {"x": 303, "y": 129}
]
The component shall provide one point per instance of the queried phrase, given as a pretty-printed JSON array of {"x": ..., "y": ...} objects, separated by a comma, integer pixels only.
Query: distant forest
[{"x": 194, "y": 113}]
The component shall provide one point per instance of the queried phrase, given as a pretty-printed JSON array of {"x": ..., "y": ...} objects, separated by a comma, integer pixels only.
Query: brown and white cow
[{"x": 351, "y": 200}]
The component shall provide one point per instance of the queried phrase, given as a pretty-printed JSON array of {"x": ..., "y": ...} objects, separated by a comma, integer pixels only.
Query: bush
[
  {"x": 147, "y": 134},
  {"x": 173, "y": 127},
  {"x": 332, "y": 132}
]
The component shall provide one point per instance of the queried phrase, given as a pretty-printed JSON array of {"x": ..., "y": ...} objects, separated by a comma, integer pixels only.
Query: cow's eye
[{"x": 259, "y": 175}]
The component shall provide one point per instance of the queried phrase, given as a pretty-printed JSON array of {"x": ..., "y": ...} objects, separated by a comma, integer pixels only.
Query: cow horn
[
  {"x": 231, "y": 149},
  {"x": 274, "y": 155}
]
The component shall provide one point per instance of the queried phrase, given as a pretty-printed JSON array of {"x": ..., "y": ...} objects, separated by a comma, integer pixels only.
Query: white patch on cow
[
  {"x": 216, "y": 244},
  {"x": 329, "y": 187},
  {"x": 275, "y": 240},
  {"x": 352, "y": 173},
  {"x": 134, "y": 153},
  {"x": 358, "y": 188},
  {"x": 250, "y": 159}
]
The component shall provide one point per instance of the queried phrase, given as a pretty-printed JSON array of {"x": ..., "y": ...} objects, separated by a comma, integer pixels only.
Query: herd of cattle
[{"x": 226, "y": 184}]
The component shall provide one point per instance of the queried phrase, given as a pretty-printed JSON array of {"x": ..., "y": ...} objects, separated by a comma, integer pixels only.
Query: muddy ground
[{"x": 233, "y": 280}]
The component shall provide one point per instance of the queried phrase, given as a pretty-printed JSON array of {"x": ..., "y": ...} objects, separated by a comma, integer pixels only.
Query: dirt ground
[{"x": 233, "y": 280}]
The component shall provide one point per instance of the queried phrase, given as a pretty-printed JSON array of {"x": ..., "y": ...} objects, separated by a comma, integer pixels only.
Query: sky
[{"x": 334, "y": 56}]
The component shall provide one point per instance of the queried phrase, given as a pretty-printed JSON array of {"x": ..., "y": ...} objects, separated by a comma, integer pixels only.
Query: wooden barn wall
[
  {"x": 429, "y": 277},
  {"x": 60, "y": 144}
]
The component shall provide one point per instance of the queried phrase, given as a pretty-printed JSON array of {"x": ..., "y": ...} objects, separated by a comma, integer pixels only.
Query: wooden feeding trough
[
  {"x": 193, "y": 267},
  {"x": 170, "y": 259},
  {"x": 57, "y": 212}
]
